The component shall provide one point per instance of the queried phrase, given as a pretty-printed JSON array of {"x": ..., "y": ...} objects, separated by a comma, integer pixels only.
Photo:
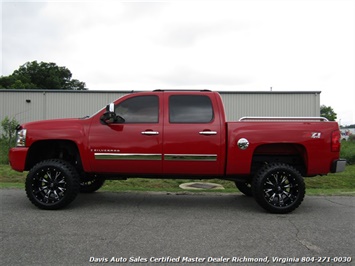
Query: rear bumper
[
  {"x": 17, "y": 157},
  {"x": 338, "y": 166}
]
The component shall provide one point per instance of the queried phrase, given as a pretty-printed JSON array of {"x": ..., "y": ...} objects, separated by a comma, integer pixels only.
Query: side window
[
  {"x": 140, "y": 109},
  {"x": 190, "y": 109}
]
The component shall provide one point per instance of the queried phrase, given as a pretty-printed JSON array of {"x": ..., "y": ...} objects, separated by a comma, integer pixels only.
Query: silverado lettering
[{"x": 175, "y": 134}]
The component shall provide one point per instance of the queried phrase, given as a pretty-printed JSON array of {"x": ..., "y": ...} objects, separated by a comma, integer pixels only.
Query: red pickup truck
[{"x": 175, "y": 134}]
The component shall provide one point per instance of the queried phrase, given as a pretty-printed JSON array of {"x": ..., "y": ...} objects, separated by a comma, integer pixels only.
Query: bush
[
  {"x": 3, "y": 152},
  {"x": 8, "y": 138},
  {"x": 348, "y": 151}
]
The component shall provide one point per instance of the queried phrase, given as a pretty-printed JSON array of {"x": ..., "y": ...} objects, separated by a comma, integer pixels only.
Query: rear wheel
[
  {"x": 278, "y": 188},
  {"x": 52, "y": 184},
  {"x": 245, "y": 188}
]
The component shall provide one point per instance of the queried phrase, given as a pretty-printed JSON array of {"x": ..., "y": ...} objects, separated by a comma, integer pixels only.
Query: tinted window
[
  {"x": 140, "y": 109},
  {"x": 190, "y": 109}
]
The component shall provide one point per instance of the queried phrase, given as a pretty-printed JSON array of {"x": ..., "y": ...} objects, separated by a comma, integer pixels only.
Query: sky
[{"x": 240, "y": 45}]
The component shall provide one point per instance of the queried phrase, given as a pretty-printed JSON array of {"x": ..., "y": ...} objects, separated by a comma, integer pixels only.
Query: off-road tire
[
  {"x": 245, "y": 188},
  {"x": 52, "y": 184},
  {"x": 90, "y": 184},
  {"x": 278, "y": 188}
]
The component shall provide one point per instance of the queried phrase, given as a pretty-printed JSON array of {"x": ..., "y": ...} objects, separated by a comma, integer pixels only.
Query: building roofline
[{"x": 131, "y": 91}]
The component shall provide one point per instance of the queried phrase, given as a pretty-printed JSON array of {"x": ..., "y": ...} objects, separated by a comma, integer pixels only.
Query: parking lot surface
[{"x": 171, "y": 229}]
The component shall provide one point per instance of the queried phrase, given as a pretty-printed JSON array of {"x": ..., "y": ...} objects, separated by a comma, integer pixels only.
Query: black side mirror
[{"x": 108, "y": 118}]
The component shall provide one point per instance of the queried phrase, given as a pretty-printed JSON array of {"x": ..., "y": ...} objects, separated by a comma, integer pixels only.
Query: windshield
[{"x": 89, "y": 116}]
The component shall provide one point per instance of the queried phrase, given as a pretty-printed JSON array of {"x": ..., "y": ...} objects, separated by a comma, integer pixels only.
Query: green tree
[
  {"x": 34, "y": 75},
  {"x": 328, "y": 112}
]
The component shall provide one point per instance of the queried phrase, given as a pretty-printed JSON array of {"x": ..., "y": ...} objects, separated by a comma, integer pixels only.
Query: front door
[{"x": 133, "y": 146}]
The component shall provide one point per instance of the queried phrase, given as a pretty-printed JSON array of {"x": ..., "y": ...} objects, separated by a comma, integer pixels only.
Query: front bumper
[
  {"x": 338, "y": 166},
  {"x": 17, "y": 157}
]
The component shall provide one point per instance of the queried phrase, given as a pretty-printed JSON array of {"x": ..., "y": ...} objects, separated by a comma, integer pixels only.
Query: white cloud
[
  {"x": 185, "y": 35},
  {"x": 190, "y": 78},
  {"x": 221, "y": 45}
]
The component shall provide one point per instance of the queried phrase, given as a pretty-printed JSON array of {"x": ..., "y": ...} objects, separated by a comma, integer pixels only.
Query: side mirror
[
  {"x": 110, "y": 108},
  {"x": 110, "y": 116}
]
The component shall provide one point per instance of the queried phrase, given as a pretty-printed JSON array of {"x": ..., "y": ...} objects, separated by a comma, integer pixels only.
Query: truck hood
[
  {"x": 53, "y": 123},
  {"x": 64, "y": 129}
]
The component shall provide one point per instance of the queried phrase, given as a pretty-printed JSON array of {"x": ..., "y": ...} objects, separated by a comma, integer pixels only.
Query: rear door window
[{"x": 190, "y": 109}]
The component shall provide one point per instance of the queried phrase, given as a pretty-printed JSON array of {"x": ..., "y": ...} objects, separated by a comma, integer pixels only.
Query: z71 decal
[{"x": 316, "y": 135}]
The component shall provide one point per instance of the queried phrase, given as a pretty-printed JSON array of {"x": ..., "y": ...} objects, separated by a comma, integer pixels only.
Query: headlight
[{"x": 21, "y": 138}]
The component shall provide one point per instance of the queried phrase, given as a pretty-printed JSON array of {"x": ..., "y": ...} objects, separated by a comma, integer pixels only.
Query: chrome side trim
[
  {"x": 128, "y": 156},
  {"x": 156, "y": 157},
  {"x": 190, "y": 157}
]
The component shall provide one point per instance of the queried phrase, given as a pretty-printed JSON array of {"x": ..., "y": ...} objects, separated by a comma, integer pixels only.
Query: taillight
[{"x": 335, "y": 141}]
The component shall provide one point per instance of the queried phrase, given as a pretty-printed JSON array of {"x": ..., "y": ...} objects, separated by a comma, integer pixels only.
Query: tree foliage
[
  {"x": 34, "y": 75},
  {"x": 9, "y": 129},
  {"x": 8, "y": 137},
  {"x": 328, "y": 112}
]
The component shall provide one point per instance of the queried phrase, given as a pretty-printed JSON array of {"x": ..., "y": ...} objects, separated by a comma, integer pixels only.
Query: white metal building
[{"x": 31, "y": 105}]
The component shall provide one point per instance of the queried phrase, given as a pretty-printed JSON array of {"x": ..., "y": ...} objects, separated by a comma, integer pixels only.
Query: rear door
[{"x": 192, "y": 134}]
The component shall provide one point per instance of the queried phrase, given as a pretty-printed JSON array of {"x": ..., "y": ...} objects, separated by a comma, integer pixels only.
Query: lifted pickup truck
[{"x": 175, "y": 134}]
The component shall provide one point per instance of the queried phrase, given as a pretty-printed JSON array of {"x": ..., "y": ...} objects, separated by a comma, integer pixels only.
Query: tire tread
[
  {"x": 258, "y": 193},
  {"x": 71, "y": 173}
]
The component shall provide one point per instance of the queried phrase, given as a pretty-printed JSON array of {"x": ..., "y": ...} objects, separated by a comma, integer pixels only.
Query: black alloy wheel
[
  {"x": 52, "y": 184},
  {"x": 278, "y": 188}
]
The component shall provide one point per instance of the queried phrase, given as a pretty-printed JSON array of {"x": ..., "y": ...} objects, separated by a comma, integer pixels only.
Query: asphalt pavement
[{"x": 171, "y": 229}]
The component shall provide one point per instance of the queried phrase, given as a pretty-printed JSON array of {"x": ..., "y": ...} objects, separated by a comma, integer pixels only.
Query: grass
[
  {"x": 11, "y": 178},
  {"x": 332, "y": 184}
]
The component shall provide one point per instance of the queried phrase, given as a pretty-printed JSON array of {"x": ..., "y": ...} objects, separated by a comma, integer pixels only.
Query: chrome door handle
[
  {"x": 149, "y": 133},
  {"x": 208, "y": 133}
]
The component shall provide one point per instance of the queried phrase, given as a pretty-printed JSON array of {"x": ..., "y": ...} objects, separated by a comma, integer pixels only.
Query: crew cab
[{"x": 175, "y": 134}]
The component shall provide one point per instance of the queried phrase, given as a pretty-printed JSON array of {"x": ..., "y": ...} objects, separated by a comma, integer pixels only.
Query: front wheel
[
  {"x": 245, "y": 188},
  {"x": 52, "y": 184},
  {"x": 278, "y": 188}
]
